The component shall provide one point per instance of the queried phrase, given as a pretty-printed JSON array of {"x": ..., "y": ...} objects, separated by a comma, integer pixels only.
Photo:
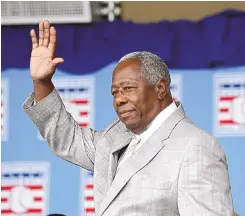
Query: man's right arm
[
  {"x": 46, "y": 109},
  {"x": 64, "y": 136}
]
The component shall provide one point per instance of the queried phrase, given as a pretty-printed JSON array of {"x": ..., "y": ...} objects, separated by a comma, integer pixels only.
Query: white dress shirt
[{"x": 139, "y": 140}]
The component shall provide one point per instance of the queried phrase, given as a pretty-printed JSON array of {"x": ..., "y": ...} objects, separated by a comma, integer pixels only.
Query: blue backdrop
[{"x": 195, "y": 50}]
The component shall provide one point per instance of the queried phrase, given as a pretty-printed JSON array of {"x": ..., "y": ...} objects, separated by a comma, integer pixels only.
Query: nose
[{"x": 120, "y": 99}]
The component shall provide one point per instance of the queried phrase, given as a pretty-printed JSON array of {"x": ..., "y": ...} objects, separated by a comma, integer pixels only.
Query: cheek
[
  {"x": 115, "y": 106},
  {"x": 146, "y": 103},
  {"x": 134, "y": 100},
  {"x": 139, "y": 102}
]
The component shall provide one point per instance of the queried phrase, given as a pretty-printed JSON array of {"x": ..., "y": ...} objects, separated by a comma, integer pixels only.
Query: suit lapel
[
  {"x": 122, "y": 141},
  {"x": 141, "y": 158}
]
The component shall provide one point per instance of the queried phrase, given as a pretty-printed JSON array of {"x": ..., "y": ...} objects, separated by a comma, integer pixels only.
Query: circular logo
[
  {"x": 238, "y": 109},
  {"x": 20, "y": 199}
]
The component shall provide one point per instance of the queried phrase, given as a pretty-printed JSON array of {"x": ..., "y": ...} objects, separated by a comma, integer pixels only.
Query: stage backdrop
[
  {"x": 212, "y": 98},
  {"x": 35, "y": 182}
]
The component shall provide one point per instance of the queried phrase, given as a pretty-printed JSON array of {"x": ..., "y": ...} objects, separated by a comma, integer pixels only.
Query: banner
[{"x": 25, "y": 188}]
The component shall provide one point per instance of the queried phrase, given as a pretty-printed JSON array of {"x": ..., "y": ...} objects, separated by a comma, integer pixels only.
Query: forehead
[{"x": 128, "y": 69}]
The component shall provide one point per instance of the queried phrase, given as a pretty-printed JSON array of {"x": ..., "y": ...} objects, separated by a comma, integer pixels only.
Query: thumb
[
  {"x": 53, "y": 64},
  {"x": 57, "y": 61}
]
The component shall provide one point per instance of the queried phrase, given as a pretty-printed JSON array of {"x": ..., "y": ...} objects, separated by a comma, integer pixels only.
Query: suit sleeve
[
  {"x": 64, "y": 136},
  {"x": 203, "y": 185}
]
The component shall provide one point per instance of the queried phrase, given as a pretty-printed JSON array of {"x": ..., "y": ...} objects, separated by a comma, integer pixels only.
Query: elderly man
[{"x": 151, "y": 161}]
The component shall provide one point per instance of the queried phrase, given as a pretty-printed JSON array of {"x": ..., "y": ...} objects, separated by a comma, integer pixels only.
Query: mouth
[{"x": 126, "y": 113}]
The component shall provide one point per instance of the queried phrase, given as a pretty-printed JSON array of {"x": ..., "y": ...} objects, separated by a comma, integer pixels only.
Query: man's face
[{"x": 134, "y": 98}]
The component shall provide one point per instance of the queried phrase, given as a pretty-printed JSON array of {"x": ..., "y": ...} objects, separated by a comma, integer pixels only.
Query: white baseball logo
[
  {"x": 20, "y": 199},
  {"x": 238, "y": 106}
]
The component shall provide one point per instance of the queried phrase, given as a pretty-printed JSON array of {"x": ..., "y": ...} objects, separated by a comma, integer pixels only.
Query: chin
[
  {"x": 131, "y": 121},
  {"x": 131, "y": 125}
]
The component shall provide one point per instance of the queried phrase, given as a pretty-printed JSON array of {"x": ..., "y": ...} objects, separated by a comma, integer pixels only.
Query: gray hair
[{"x": 153, "y": 67}]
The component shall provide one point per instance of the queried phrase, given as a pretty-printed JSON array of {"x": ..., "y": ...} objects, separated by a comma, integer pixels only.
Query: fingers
[
  {"x": 41, "y": 33},
  {"x": 52, "y": 42},
  {"x": 47, "y": 36},
  {"x": 34, "y": 39},
  {"x": 46, "y": 33}
]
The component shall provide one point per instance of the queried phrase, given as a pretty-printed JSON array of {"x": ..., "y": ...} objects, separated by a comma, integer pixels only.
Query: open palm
[{"x": 43, "y": 62}]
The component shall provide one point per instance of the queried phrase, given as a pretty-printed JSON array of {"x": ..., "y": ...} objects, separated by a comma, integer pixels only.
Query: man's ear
[{"x": 162, "y": 89}]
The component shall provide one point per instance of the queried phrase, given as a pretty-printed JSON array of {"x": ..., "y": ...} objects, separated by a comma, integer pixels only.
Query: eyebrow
[{"x": 126, "y": 82}]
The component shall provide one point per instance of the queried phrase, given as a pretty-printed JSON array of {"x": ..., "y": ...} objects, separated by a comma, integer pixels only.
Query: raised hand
[{"x": 43, "y": 62}]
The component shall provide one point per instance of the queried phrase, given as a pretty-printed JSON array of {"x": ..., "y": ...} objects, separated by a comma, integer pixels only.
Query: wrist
[{"x": 42, "y": 82}]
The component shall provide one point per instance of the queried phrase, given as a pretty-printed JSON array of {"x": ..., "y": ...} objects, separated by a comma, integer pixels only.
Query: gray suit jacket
[{"x": 180, "y": 170}]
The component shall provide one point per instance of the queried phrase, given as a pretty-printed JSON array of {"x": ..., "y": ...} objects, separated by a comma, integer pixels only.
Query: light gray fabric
[{"x": 179, "y": 170}]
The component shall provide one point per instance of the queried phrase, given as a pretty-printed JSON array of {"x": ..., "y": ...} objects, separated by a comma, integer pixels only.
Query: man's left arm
[{"x": 203, "y": 185}]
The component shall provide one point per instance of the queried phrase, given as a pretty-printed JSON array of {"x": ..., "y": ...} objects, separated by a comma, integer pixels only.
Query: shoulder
[
  {"x": 116, "y": 127},
  {"x": 197, "y": 138}
]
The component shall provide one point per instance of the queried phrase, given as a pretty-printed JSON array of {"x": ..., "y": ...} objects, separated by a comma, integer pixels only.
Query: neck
[{"x": 165, "y": 103}]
